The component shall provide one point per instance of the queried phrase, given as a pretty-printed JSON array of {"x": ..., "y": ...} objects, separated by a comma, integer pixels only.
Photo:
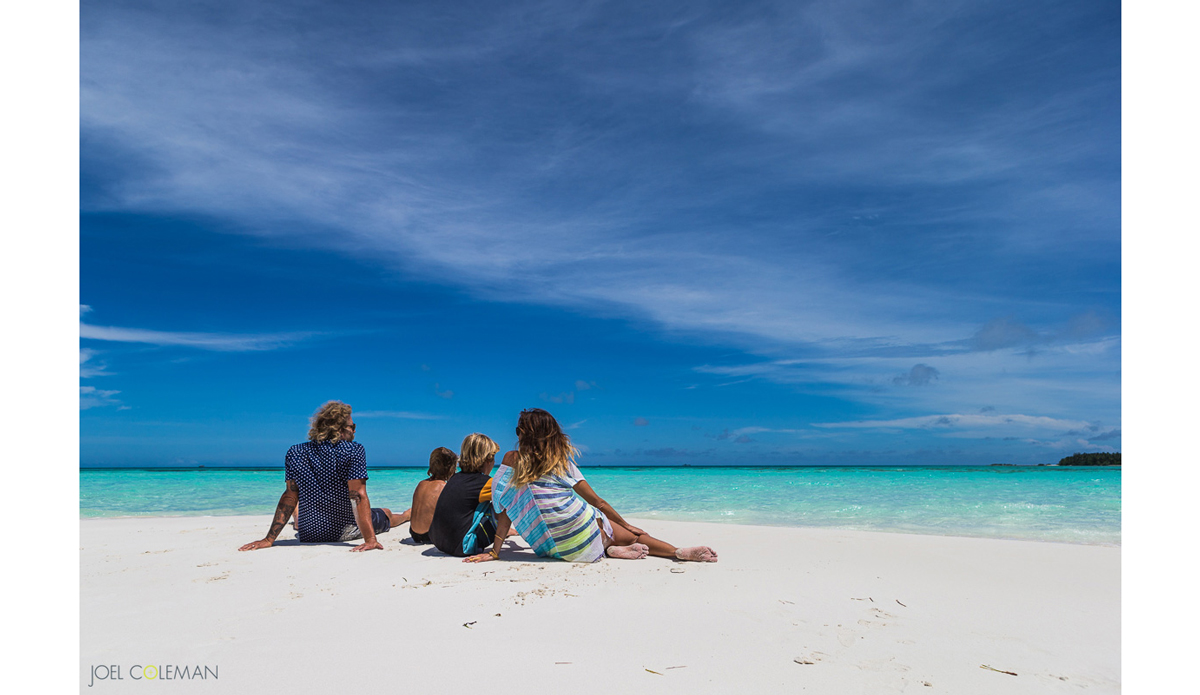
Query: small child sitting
[
  {"x": 463, "y": 523},
  {"x": 425, "y": 497}
]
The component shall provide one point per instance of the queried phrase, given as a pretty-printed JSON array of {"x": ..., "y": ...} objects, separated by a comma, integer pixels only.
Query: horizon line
[{"x": 666, "y": 465}]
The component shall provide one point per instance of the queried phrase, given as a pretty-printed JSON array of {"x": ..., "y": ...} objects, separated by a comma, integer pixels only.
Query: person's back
[
  {"x": 327, "y": 487},
  {"x": 462, "y": 521},
  {"x": 541, "y": 493},
  {"x": 518, "y": 503},
  {"x": 548, "y": 514},
  {"x": 425, "y": 497},
  {"x": 321, "y": 470}
]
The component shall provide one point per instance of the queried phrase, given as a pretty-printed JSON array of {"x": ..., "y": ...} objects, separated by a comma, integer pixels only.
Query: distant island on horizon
[{"x": 1096, "y": 459}]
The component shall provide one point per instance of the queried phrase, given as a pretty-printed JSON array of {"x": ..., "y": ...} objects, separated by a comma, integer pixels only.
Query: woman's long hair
[
  {"x": 542, "y": 447},
  {"x": 328, "y": 423}
]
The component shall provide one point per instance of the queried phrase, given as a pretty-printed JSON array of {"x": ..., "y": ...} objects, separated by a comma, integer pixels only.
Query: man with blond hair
[{"x": 327, "y": 477}]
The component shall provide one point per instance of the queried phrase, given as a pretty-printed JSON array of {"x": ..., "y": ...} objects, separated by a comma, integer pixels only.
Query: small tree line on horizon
[{"x": 1097, "y": 459}]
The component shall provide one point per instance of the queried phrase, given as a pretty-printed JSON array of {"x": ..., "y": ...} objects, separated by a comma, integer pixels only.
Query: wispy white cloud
[
  {"x": 92, "y": 397},
  {"x": 235, "y": 143},
  {"x": 761, "y": 430},
  {"x": 741, "y": 435},
  {"x": 397, "y": 414},
  {"x": 516, "y": 199},
  {"x": 223, "y": 342},
  {"x": 963, "y": 421},
  {"x": 1061, "y": 380},
  {"x": 88, "y": 368}
]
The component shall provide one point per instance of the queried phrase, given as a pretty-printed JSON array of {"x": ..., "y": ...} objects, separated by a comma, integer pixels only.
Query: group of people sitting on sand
[{"x": 537, "y": 493}]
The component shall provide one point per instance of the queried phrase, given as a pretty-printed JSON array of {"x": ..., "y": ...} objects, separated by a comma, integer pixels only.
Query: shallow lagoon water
[{"x": 1049, "y": 503}]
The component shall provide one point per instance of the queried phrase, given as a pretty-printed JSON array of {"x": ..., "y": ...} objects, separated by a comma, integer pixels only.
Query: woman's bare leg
[
  {"x": 622, "y": 538},
  {"x": 661, "y": 548},
  {"x": 622, "y": 544},
  {"x": 696, "y": 553}
]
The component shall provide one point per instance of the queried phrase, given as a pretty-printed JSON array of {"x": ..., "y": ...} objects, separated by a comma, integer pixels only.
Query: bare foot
[
  {"x": 637, "y": 551},
  {"x": 699, "y": 553}
]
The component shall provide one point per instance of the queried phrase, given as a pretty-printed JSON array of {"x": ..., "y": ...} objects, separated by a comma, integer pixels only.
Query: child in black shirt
[{"x": 463, "y": 522}]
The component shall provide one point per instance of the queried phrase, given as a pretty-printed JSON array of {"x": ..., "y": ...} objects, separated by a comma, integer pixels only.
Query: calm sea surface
[{"x": 1074, "y": 505}]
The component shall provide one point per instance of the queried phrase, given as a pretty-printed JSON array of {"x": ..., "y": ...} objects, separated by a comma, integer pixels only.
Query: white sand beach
[{"x": 785, "y": 610}]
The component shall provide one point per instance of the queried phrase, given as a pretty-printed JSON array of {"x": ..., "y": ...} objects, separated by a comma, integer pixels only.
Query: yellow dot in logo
[{"x": 146, "y": 672}]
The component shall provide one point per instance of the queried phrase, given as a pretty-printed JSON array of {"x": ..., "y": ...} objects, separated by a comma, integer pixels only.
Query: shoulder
[
  {"x": 570, "y": 477},
  {"x": 352, "y": 448},
  {"x": 297, "y": 449},
  {"x": 502, "y": 479},
  {"x": 462, "y": 479}
]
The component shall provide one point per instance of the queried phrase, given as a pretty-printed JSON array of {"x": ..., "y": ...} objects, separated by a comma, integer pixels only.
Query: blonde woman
[
  {"x": 463, "y": 522},
  {"x": 539, "y": 490}
]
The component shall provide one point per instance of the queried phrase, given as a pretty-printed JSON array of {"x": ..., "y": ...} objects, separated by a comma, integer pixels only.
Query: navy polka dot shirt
[{"x": 321, "y": 470}]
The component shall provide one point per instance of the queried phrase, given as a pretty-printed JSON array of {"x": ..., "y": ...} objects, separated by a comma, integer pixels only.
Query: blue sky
[{"x": 697, "y": 233}]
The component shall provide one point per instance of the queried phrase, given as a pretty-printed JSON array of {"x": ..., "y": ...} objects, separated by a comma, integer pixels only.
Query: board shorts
[{"x": 380, "y": 521}]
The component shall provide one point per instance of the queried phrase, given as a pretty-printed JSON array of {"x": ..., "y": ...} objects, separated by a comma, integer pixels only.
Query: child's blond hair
[{"x": 478, "y": 450}]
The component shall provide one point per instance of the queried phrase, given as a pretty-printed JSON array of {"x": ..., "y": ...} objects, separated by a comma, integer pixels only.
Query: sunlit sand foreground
[{"x": 784, "y": 610}]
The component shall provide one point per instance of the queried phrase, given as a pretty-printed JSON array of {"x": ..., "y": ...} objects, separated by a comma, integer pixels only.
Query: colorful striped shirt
[{"x": 548, "y": 514}]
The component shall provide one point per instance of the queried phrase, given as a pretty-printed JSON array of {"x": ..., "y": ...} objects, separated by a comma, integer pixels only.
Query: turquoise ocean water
[{"x": 1049, "y": 503}]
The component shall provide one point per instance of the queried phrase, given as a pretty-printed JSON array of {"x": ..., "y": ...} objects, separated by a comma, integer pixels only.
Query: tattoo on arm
[{"x": 283, "y": 511}]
